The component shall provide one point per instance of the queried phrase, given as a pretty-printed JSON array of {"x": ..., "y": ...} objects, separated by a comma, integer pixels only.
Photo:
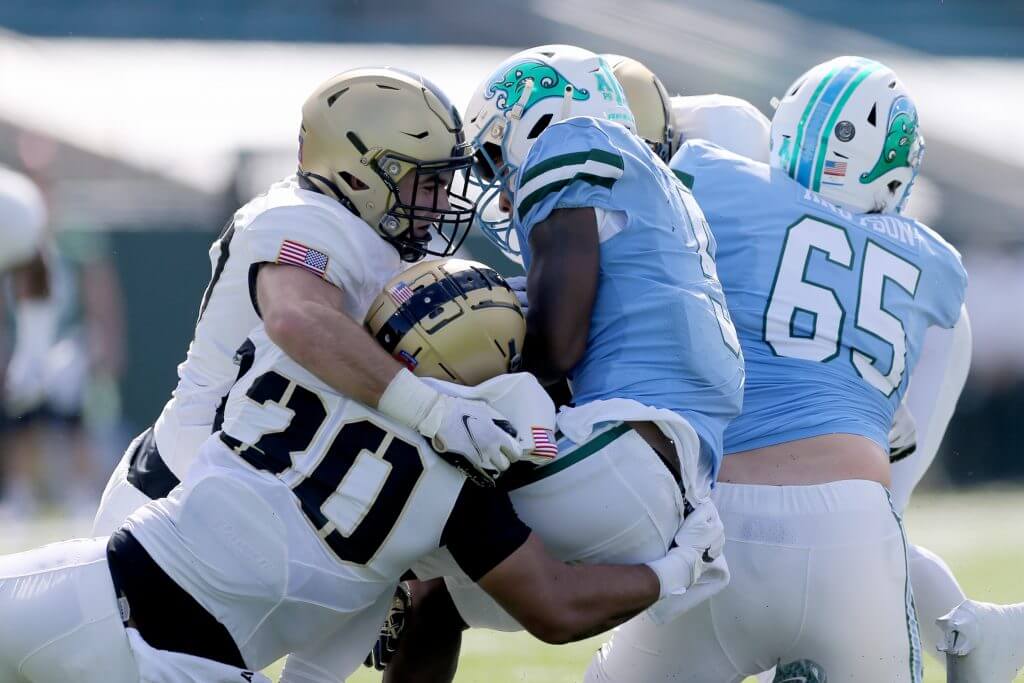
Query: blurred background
[{"x": 146, "y": 124}]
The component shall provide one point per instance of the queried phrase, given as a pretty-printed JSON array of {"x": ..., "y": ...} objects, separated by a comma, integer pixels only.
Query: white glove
[
  {"x": 484, "y": 440},
  {"x": 518, "y": 285},
  {"x": 25, "y": 382},
  {"x": 694, "y": 569},
  {"x": 903, "y": 435}
]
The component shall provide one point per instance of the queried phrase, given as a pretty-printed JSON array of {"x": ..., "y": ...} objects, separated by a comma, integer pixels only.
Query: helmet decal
[
  {"x": 899, "y": 140},
  {"x": 547, "y": 82}
]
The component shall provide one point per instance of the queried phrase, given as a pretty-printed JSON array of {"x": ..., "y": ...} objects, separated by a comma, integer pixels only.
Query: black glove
[{"x": 391, "y": 631}]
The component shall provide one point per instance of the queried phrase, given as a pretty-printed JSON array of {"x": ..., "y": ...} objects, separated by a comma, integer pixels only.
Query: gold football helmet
[
  {"x": 649, "y": 102},
  {"x": 450, "y": 319},
  {"x": 364, "y": 130}
]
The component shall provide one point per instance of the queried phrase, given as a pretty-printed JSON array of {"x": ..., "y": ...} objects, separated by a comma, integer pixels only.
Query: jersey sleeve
[
  {"x": 307, "y": 237},
  {"x": 572, "y": 165},
  {"x": 948, "y": 279},
  {"x": 482, "y": 530}
]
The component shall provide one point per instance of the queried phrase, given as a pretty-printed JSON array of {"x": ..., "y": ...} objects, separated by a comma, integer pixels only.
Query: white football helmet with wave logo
[
  {"x": 524, "y": 95},
  {"x": 848, "y": 130}
]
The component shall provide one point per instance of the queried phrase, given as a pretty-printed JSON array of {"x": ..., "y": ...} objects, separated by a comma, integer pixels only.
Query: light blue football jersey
[
  {"x": 660, "y": 331},
  {"x": 831, "y": 307}
]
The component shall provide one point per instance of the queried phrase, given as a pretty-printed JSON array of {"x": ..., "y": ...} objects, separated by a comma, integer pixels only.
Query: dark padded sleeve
[{"x": 482, "y": 530}]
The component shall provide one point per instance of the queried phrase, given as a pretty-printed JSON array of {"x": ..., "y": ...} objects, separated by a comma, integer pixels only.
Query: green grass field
[{"x": 977, "y": 533}]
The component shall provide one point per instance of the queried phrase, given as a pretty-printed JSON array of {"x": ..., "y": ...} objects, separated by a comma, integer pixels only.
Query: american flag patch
[
  {"x": 295, "y": 254},
  {"x": 544, "y": 443},
  {"x": 407, "y": 359},
  {"x": 836, "y": 168},
  {"x": 400, "y": 293}
]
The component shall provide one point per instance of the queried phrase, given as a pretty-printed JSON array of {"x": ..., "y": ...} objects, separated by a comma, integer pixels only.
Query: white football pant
[
  {"x": 818, "y": 573},
  {"x": 617, "y": 504}
]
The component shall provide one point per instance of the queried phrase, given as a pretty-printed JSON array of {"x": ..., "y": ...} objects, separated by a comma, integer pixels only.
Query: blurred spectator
[{"x": 69, "y": 399}]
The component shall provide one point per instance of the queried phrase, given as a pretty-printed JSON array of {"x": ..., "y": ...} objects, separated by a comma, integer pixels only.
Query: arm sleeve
[
  {"x": 572, "y": 165},
  {"x": 482, "y": 530},
  {"x": 308, "y": 237},
  {"x": 935, "y": 385},
  {"x": 729, "y": 122}
]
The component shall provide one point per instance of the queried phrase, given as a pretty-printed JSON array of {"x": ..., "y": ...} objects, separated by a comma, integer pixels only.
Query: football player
[
  {"x": 296, "y": 520},
  {"x": 23, "y": 218},
  {"x": 666, "y": 122},
  {"x": 646, "y": 343},
  {"x": 381, "y": 159},
  {"x": 921, "y": 419},
  {"x": 833, "y": 292}
]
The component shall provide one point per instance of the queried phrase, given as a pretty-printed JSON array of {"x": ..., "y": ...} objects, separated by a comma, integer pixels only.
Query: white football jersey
[
  {"x": 304, "y": 512},
  {"x": 22, "y": 218},
  {"x": 287, "y": 225},
  {"x": 729, "y": 122}
]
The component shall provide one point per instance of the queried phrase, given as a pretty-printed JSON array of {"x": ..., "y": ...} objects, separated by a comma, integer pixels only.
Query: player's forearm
[
  {"x": 335, "y": 348},
  {"x": 600, "y": 597},
  {"x": 576, "y": 602}
]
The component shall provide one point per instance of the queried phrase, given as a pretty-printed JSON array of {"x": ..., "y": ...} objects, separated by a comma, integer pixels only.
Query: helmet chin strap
[{"x": 566, "y": 103}]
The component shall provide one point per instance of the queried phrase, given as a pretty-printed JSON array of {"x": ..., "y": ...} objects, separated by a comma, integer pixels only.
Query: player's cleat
[{"x": 984, "y": 643}]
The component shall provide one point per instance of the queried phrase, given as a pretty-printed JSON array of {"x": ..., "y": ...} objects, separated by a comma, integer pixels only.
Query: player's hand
[
  {"x": 391, "y": 631},
  {"x": 483, "y": 440},
  {"x": 903, "y": 435},
  {"x": 694, "y": 568},
  {"x": 697, "y": 544},
  {"x": 518, "y": 285}
]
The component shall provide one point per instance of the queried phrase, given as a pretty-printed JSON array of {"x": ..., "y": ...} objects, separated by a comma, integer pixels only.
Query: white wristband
[
  {"x": 408, "y": 399},
  {"x": 676, "y": 571}
]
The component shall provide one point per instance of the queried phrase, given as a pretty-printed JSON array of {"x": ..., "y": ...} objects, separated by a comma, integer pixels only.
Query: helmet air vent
[
  {"x": 383, "y": 86},
  {"x": 333, "y": 98},
  {"x": 356, "y": 142},
  {"x": 538, "y": 128},
  {"x": 872, "y": 114}
]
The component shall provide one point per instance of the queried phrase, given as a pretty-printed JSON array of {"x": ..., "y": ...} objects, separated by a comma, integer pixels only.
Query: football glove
[
  {"x": 694, "y": 569},
  {"x": 390, "y": 631},
  {"x": 469, "y": 434},
  {"x": 903, "y": 435}
]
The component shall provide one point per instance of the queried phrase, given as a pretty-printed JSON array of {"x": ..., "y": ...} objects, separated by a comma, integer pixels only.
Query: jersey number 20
[
  {"x": 792, "y": 292},
  {"x": 323, "y": 496}
]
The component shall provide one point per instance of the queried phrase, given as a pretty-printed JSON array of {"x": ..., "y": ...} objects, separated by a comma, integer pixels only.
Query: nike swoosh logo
[{"x": 469, "y": 432}]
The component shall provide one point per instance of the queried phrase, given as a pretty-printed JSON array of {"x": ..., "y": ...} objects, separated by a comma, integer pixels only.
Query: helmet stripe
[
  {"x": 799, "y": 139},
  {"x": 807, "y": 151},
  {"x": 866, "y": 71}
]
